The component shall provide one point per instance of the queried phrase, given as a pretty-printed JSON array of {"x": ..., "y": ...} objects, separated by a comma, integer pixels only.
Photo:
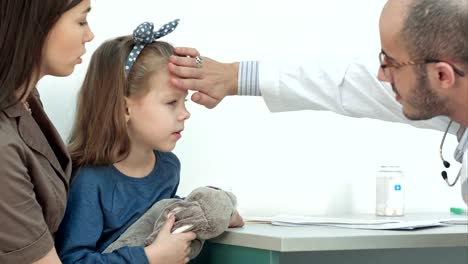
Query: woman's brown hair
[
  {"x": 24, "y": 27},
  {"x": 99, "y": 134}
]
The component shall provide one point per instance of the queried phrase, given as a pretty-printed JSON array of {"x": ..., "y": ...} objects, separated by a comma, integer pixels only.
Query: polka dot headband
[{"x": 144, "y": 35}]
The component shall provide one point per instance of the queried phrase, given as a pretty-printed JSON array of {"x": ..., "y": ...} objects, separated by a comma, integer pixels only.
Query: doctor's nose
[{"x": 381, "y": 75}]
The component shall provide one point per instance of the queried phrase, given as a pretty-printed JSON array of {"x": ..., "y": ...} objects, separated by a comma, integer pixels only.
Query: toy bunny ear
[
  {"x": 182, "y": 229},
  {"x": 174, "y": 211},
  {"x": 216, "y": 188}
]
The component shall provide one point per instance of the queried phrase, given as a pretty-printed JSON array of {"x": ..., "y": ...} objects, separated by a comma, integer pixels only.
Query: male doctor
[{"x": 424, "y": 61}]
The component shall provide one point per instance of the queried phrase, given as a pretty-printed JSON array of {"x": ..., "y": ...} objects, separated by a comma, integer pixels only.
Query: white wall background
[{"x": 300, "y": 162}]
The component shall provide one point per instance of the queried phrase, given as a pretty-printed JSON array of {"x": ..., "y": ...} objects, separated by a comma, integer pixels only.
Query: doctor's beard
[{"x": 423, "y": 101}]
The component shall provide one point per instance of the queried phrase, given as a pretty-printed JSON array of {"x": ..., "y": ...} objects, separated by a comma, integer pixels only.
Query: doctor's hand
[{"x": 211, "y": 80}]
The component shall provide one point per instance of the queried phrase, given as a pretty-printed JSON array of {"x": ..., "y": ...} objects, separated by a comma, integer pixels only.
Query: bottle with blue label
[{"x": 390, "y": 191}]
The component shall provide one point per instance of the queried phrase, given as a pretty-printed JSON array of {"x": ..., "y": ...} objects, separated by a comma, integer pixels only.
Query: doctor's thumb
[{"x": 205, "y": 100}]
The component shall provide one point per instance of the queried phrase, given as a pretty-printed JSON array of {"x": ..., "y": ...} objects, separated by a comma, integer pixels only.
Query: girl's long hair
[{"x": 99, "y": 135}]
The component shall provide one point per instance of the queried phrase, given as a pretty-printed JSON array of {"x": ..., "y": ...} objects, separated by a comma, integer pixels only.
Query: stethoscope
[{"x": 446, "y": 163}]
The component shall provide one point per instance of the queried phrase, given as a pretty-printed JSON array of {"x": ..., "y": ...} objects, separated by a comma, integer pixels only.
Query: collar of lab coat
[{"x": 462, "y": 145}]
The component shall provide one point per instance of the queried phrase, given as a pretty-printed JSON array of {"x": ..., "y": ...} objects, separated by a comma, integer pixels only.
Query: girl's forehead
[
  {"x": 166, "y": 90},
  {"x": 160, "y": 83}
]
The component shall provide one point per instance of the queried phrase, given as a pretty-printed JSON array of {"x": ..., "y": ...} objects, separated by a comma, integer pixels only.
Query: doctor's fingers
[
  {"x": 188, "y": 84},
  {"x": 192, "y": 62},
  {"x": 186, "y": 51},
  {"x": 205, "y": 100},
  {"x": 181, "y": 68}
]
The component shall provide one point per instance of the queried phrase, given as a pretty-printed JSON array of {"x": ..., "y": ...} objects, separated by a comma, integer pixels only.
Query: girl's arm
[{"x": 81, "y": 230}]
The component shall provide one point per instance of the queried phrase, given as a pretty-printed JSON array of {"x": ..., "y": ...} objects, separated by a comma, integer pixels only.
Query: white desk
[{"x": 264, "y": 243}]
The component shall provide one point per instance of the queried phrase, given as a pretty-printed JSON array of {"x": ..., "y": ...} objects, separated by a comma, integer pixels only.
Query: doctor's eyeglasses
[{"x": 387, "y": 62}]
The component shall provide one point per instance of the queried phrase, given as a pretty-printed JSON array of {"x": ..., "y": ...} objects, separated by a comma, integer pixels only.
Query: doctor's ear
[{"x": 446, "y": 75}]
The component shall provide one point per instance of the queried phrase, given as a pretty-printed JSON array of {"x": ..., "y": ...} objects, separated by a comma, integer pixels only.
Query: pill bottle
[{"x": 390, "y": 191}]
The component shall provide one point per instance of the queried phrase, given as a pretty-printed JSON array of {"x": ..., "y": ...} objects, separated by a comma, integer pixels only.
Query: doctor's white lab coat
[{"x": 349, "y": 89}]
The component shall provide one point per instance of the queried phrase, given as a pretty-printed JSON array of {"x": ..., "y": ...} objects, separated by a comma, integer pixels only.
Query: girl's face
[
  {"x": 156, "y": 120},
  {"x": 66, "y": 41}
]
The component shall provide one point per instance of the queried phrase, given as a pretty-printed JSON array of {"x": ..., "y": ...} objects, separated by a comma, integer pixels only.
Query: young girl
[{"x": 128, "y": 120}]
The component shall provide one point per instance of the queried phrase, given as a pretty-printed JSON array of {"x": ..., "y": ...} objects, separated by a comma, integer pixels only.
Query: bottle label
[{"x": 390, "y": 198}]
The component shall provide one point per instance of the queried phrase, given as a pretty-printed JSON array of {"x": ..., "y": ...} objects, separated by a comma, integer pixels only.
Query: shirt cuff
[
  {"x": 30, "y": 253},
  {"x": 248, "y": 79}
]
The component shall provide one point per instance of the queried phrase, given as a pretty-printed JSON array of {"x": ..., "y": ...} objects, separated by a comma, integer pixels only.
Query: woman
[{"x": 37, "y": 38}]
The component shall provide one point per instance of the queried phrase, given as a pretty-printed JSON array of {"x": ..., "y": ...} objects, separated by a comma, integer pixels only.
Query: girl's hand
[
  {"x": 236, "y": 220},
  {"x": 170, "y": 248}
]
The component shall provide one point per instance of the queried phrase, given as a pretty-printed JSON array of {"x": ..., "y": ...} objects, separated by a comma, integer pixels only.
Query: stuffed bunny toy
[{"x": 206, "y": 211}]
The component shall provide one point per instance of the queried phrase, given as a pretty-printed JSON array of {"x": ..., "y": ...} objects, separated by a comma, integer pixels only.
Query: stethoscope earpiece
[
  {"x": 444, "y": 175},
  {"x": 446, "y": 163}
]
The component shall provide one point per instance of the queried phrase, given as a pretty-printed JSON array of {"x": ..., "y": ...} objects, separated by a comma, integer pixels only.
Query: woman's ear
[{"x": 127, "y": 109}]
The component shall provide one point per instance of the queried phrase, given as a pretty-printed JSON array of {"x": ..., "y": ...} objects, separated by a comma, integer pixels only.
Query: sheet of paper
[
  {"x": 357, "y": 223},
  {"x": 310, "y": 220},
  {"x": 455, "y": 221},
  {"x": 404, "y": 225}
]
